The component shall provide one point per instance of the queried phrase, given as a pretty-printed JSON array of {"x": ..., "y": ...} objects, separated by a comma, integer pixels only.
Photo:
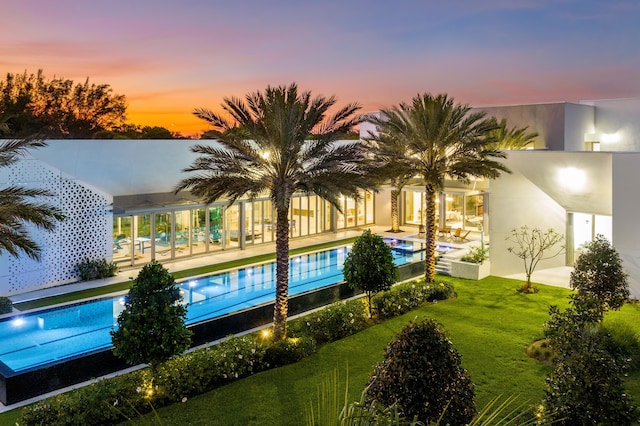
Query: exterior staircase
[{"x": 443, "y": 265}]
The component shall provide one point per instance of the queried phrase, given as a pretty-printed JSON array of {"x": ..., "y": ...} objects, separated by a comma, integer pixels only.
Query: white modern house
[{"x": 579, "y": 179}]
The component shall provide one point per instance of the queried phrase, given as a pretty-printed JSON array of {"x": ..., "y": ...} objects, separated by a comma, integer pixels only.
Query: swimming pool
[{"x": 39, "y": 338}]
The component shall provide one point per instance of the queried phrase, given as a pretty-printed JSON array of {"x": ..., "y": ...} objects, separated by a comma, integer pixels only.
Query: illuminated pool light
[{"x": 18, "y": 322}]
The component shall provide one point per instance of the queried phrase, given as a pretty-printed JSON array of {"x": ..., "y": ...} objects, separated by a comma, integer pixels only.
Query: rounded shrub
[
  {"x": 5, "y": 305},
  {"x": 421, "y": 372}
]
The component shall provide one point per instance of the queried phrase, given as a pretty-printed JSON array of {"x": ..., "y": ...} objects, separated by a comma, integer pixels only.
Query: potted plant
[{"x": 473, "y": 265}]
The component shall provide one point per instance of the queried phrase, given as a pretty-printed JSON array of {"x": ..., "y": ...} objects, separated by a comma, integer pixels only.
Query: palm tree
[
  {"x": 15, "y": 208},
  {"x": 396, "y": 168},
  {"x": 278, "y": 142},
  {"x": 444, "y": 140},
  {"x": 514, "y": 138}
]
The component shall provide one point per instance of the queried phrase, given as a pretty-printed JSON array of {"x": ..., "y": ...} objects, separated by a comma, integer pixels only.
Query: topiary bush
[
  {"x": 96, "y": 269},
  {"x": 5, "y": 305},
  {"x": 598, "y": 274},
  {"x": 407, "y": 296},
  {"x": 369, "y": 265},
  {"x": 422, "y": 372}
]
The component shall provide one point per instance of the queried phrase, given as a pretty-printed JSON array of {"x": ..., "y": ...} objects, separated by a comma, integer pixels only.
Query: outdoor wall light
[
  {"x": 572, "y": 178},
  {"x": 611, "y": 137}
]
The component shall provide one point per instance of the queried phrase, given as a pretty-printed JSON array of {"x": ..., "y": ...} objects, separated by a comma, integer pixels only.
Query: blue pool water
[{"x": 46, "y": 336}]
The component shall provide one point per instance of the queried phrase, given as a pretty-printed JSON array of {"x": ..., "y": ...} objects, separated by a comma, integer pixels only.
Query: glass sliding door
[
  {"x": 163, "y": 235},
  {"x": 122, "y": 237},
  {"x": 198, "y": 231},
  {"x": 141, "y": 244},
  {"x": 182, "y": 233}
]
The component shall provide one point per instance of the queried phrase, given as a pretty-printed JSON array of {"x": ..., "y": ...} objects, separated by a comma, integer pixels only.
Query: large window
[{"x": 183, "y": 232}]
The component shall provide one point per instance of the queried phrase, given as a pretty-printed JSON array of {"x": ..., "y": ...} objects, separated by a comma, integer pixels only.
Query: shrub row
[
  {"x": 127, "y": 396},
  {"x": 334, "y": 322},
  {"x": 96, "y": 269},
  {"x": 407, "y": 296}
]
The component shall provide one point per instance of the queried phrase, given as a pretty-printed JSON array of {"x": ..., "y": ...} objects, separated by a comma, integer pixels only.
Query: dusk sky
[{"x": 169, "y": 57}]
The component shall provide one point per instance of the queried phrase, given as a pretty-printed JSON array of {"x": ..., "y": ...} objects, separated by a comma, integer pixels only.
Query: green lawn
[{"x": 489, "y": 323}]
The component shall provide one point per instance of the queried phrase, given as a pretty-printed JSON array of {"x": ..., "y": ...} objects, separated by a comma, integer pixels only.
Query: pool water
[{"x": 46, "y": 336}]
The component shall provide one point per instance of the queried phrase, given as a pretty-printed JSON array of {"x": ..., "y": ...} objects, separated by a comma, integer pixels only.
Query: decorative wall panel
[{"x": 85, "y": 233}]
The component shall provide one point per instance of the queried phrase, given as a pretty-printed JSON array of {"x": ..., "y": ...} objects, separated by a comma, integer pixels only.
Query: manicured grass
[
  {"x": 490, "y": 324},
  {"x": 124, "y": 286}
]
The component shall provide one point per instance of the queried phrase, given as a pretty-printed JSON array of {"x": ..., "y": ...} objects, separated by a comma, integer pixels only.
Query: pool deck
[{"x": 409, "y": 234}]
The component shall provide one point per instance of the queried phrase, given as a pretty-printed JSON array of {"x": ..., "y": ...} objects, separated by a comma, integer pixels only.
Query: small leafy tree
[
  {"x": 151, "y": 328},
  {"x": 532, "y": 246},
  {"x": 598, "y": 273},
  {"x": 587, "y": 384},
  {"x": 422, "y": 373},
  {"x": 369, "y": 265}
]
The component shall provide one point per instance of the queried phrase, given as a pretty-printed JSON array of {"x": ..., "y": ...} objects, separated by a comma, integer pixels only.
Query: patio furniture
[
  {"x": 458, "y": 234},
  {"x": 446, "y": 231}
]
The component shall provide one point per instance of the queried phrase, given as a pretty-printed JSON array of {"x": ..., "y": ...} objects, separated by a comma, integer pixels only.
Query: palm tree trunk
[
  {"x": 281, "y": 306},
  {"x": 395, "y": 211},
  {"x": 431, "y": 233}
]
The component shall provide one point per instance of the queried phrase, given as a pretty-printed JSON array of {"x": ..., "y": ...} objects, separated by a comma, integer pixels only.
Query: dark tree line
[{"x": 58, "y": 108}]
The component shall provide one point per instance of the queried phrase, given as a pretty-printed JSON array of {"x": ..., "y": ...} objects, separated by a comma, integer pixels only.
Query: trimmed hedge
[
  {"x": 126, "y": 397},
  {"x": 334, "y": 322},
  {"x": 407, "y": 296}
]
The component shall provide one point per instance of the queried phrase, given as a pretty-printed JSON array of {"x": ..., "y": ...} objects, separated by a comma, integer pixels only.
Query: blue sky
[{"x": 169, "y": 57}]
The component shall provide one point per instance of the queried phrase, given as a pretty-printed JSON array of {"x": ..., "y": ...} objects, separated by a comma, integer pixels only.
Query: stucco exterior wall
[
  {"x": 626, "y": 215},
  {"x": 619, "y": 121},
  {"x": 548, "y": 120},
  {"x": 579, "y": 119},
  {"x": 516, "y": 201}
]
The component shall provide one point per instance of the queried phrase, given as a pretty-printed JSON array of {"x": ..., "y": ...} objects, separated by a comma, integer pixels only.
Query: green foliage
[
  {"x": 20, "y": 205},
  {"x": 151, "y": 328},
  {"x": 125, "y": 397},
  {"x": 475, "y": 254},
  {"x": 369, "y": 265},
  {"x": 263, "y": 148},
  {"x": 96, "y": 269},
  {"x": 289, "y": 350},
  {"x": 333, "y": 322},
  {"x": 598, "y": 273},
  {"x": 533, "y": 246},
  {"x": 328, "y": 410},
  {"x": 204, "y": 369},
  {"x": 623, "y": 342},
  {"x": 407, "y": 296},
  {"x": 422, "y": 372},
  {"x": 5, "y": 305},
  {"x": 587, "y": 384},
  {"x": 58, "y": 108}
]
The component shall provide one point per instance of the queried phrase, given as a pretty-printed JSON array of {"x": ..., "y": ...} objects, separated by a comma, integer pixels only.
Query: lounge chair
[{"x": 458, "y": 234}]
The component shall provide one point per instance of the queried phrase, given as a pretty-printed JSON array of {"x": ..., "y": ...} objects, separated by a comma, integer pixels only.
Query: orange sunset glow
[{"x": 168, "y": 59}]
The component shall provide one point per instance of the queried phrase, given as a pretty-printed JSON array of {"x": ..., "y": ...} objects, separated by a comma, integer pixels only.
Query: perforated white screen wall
[{"x": 84, "y": 234}]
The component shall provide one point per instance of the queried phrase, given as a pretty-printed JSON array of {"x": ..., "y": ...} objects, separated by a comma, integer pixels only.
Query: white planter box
[{"x": 470, "y": 271}]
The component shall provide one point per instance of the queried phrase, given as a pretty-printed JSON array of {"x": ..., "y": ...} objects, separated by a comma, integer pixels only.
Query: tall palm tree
[
  {"x": 17, "y": 209},
  {"x": 516, "y": 138},
  {"x": 445, "y": 140},
  {"x": 396, "y": 167},
  {"x": 278, "y": 142}
]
